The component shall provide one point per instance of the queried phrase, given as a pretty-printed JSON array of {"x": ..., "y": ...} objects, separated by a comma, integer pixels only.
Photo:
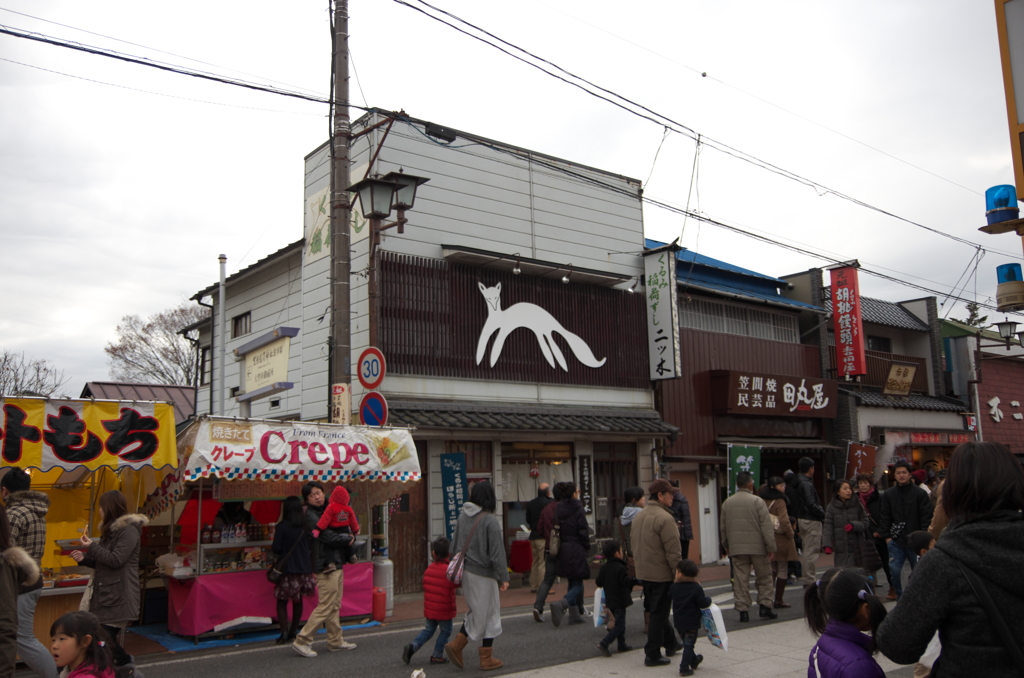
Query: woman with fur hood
[
  {"x": 115, "y": 558},
  {"x": 17, "y": 568}
]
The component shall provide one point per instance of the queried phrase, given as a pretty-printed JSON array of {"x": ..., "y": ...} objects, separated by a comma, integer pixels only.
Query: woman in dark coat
[
  {"x": 573, "y": 561},
  {"x": 17, "y": 568},
  {"x": 983, "y": 496},
  {"x": 298, "y": 580},
  {"x": 115, "y": 558},
  {"x": 846, "y": 523},
  {"x": 872, "y": 500}
]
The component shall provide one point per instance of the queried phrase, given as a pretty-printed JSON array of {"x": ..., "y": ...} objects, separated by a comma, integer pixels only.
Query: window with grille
[
  {"x": 204, "y": 365},
  {"x": 714, "y": 316},
  {"x": 479, "y": 454},
  {"x": 241, "y": 325}
]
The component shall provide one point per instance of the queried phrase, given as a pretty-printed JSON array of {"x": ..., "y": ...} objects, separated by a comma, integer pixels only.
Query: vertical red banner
[{"x": 847, "y": 322}]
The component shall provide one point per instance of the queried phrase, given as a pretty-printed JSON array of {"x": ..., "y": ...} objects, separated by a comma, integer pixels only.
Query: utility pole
[{"x": 340, "y": 393}]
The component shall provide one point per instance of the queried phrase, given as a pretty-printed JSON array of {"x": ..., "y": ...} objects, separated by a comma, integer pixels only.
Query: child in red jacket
[
  {"x": 438, "y": 605},
  {"x": 339, "y": 516}
]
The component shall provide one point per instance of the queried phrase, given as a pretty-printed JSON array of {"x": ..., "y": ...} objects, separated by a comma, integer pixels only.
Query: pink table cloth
[{"x": 197, "y": 605}]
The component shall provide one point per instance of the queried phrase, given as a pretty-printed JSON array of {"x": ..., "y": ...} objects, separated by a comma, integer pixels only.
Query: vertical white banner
[{"x": 662, "y": 301}]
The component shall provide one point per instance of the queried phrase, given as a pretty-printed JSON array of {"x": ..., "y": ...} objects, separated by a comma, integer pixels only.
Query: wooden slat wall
[
  {"x": 878, "y": 369},
  {"x": 686, "y": 402},
  {"x": 432, "y": 313}
]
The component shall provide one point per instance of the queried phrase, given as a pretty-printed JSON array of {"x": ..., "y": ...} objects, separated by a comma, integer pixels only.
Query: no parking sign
[{"x": 373, "y": 409}]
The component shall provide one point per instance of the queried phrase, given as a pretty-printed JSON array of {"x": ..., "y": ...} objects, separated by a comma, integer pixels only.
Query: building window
[
  {"x": 714, "y": 316},
  {"x": 234, "y": 391},
  {"x": 883, "y": 344},
  {"x": 205, "y": 366},
  {"x": 241, "y": 325}
]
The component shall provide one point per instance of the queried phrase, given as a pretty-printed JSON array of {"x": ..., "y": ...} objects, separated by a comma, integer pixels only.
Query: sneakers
[
  {"x": 603, "y": 649},
  {"x": 686, "y": 672},
  {"x": 304, "y": 650},
  {"x": 588, "y": 612},
  {"x": 696, "y": 661},
  {"x": 438, "y": 660},
  {"x": 538, "y": 615},
  {"x": 344, "y": 646},
  {"x": 407, "y": 653}
]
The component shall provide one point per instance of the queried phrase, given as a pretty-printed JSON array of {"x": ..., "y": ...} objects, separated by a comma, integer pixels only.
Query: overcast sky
[{"x": 117, "y": 196}]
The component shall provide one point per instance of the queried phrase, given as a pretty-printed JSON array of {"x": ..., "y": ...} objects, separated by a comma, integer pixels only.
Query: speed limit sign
[{"x": 371, "y": 368}]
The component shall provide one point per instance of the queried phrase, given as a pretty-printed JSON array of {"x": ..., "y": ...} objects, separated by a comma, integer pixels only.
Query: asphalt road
[{"x": 523, "y": 645}]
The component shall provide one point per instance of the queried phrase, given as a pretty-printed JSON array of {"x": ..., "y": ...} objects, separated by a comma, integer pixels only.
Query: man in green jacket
[
  {"x": 748, "y": 538},
  {"x": 654, "y": 538}
]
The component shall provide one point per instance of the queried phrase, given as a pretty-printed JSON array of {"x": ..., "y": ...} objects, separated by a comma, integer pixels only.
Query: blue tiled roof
[{"x": 697, "y": 271}]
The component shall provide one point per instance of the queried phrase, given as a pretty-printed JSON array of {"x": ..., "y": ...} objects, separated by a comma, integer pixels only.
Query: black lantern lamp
[
  {"x": 1007, "y": 329},
  {"x": 375, "y": 197},
  {"x": 405, "y": 195}
]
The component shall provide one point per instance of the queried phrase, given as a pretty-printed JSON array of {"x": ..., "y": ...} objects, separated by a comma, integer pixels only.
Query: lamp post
[{"x": 377, "y": 197}]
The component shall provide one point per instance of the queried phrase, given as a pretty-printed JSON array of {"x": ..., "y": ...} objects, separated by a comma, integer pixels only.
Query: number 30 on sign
[{"x": 371, "y": 368}]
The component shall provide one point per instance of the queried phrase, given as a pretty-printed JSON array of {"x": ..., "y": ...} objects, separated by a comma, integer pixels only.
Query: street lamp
[{"x": 1007, "y": 329}]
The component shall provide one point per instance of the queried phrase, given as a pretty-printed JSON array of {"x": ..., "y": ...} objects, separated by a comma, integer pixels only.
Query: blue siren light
[
  {"x": 1001, "y": 204},
  {"x": 1010, "y": 290},
  {"x": 1009, "y": 273}
]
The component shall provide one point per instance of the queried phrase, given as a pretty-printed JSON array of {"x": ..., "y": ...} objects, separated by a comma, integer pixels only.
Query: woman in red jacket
[{"x": 438, "y": 605}]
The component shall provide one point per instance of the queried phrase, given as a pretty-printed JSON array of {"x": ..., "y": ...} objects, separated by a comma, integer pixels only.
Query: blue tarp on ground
[{"x": 159, "y": 633}]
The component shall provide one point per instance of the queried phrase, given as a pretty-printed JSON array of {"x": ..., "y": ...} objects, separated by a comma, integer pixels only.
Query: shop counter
[
  {"x": 53, "y": 604},
  {"x": 196, "y": 606}
]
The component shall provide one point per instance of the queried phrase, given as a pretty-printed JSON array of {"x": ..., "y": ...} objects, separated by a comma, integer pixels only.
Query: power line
[{"x": 665, "y": 121}]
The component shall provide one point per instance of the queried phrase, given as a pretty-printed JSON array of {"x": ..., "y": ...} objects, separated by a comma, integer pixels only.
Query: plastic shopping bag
[
  {"x": 712, "y": 622},
  {"x": 932, "y": 652},
  {"x": 599, "y": 608}
]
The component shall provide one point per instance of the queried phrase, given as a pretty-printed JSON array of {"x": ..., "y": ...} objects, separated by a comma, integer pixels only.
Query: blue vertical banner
[{"x": 453, "y": 485}]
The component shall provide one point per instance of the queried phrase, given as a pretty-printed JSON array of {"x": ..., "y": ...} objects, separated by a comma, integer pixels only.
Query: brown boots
[
  {"x": 780, "y": 589},
  {"x": 454, "y": 649},
  {"x": 487, "y": 662}
]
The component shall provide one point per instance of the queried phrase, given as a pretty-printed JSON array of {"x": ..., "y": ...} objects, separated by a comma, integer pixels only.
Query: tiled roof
[
  {"x": 886, "y": 313},
  {"x": 182, "y": 397},
  {"x": 287, "y": 249},
  {"x": 911, "y": 402},
  {"x": 752, "y": 295},
  {"x": 494, "y": 417}
]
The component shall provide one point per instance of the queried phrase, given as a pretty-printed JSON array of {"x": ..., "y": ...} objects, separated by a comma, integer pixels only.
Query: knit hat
[
  {"x": 658, "y": 486},
  {"x": 920, "y": 475}
]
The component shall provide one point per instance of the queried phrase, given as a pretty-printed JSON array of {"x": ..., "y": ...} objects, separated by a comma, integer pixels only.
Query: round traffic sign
[
  {"x": 371, "y": 368},
  {"x": 373, "y": 409}
]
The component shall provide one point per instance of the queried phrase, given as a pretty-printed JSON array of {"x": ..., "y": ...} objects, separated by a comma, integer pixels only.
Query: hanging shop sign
[
  {"x": 744, "y": 458},
  {"x": 662, "y": 302},
  {"x": 275, "y": 450},
  {"x": 586, "y": 485},
  {"x": 847, "y": 322},
  {"x": 266, "y": 363},
  {"x": 914, "y": 438},
  {"x": 860, "y": 459},
  {"x": 453, "y": 485},
  {"x": 70, "y": 434},
  {"x": 735, "y": 392},
  {"x": 900, "y": 379}
]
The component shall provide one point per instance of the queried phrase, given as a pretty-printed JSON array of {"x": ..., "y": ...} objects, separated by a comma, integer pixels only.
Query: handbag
[
  {"x": 276, "y": 571},
  {"x": 776, "y": 525},
  {"x": 630, "y": 563},
  {"x": 458, "y": 563},
  {"x": 555, "y": 540},
  {"x": 993, "y": 612}
]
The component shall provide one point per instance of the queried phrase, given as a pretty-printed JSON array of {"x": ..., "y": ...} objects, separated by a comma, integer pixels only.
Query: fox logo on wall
[{"x": 537, "y": 320}]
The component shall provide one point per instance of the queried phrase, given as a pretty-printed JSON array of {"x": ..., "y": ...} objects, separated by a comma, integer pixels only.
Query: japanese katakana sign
[
  {"x": 735, "y": 392},
  {"x": 284, "y": 450},
  {"x": 744, "y": 458},
  {"x": 847, "y": 322},
  {"x": 661, "y": 299},
  {"x": 68, "y": 434}
]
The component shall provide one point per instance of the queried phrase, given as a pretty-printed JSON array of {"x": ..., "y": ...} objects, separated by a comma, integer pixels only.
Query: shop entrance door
[
  {"x": 407, "y": 532},
  {"x": 707, "y": 505},
  {"x": 614, "y": 472}
]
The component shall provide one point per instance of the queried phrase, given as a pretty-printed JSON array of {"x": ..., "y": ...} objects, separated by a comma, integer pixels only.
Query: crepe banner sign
[
  {"x": 235, "y": 449},
  {"x": 71, "y": 434}
]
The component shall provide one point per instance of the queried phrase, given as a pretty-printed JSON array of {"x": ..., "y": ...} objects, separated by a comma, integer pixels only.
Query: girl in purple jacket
[{"x": 839, "y": 608}]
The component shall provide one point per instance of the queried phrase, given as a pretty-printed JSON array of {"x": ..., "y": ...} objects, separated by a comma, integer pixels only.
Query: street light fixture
[
  {"x": 1007, "y": 329},
  {"x": 375, "y": 197},
  {"x": 405, "y": 194}
]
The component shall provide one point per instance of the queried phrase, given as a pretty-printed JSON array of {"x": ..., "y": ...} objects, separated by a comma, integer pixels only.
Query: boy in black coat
[
  {"x": 688, "y": 600},
  {"x": 618, "y": 595}
]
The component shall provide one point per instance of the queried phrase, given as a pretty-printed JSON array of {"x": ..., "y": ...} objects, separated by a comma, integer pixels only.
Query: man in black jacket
[
  {"x": 537, "y": 541},
  {"x": 809, "y": 515},
  {"x": 906, "y": 508},
  {"x": 681, "y": 509}
]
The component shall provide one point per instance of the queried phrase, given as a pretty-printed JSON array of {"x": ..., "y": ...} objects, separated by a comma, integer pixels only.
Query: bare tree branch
[
  {"x": 22, "y": 376},
  {"x": 152, "y": 351}
]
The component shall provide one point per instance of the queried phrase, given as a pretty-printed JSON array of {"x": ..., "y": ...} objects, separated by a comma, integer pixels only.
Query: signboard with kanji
[
  {"x": 454, "y": 488},
  {"x": 661, "y": 300},
  {"x": 847, "y": 322},
  {"x": 901, "y": 377},
  {"x": 735, "y": 392},
  {"x": 586, "y": 485},
  {"x": 71, "y": 434}
]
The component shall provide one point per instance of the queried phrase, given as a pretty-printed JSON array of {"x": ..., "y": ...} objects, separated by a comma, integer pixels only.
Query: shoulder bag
[
  {"x": 458, "y": 563},
  {"x": 555, "y": 540},
  {"x": 630, "y": 563},
  {"x": 275, "y": 573},
  {"x": 993, "y": 612},
  {"x": 776, "y": 525}
]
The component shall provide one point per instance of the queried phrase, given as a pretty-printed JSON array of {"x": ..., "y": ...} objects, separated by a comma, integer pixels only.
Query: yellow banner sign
[{"x": 70, "y": 434}]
